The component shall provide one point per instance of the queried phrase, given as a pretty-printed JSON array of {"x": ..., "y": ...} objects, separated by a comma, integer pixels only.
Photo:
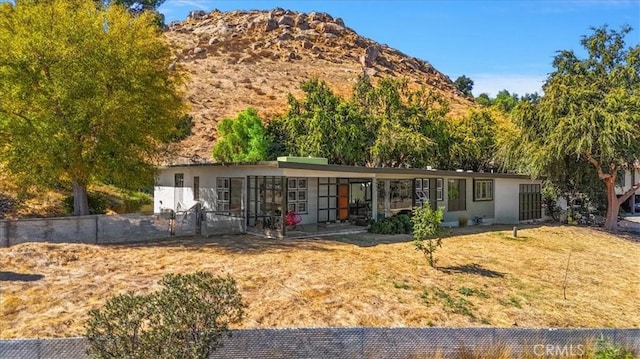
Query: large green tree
[
  {"x": 465, "y": 85},
  {"x": 322, "y": 124},
  {"x": 471, "y": 141},
  {"x": 242, "y": 139},
  {"x": 407, "y": 124},
  {"x": 86, "y": 95},
  {"x": 590, "y": 111}
]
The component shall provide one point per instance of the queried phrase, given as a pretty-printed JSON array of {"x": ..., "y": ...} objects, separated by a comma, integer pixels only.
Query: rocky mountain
[{"x": 255, "y": 58}]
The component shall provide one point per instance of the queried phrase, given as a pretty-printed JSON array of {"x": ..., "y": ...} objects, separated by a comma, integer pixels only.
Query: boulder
[
  {"x": 196, "y": 15},
  {"x": 301, "y": 22},
  {"x": 370, "y": 56},
  {"x": 271, "y": 25},
  {"x": 331, "y": 28},
  {"x": 286, "y": 20},
  {"x": 200, "y": 52},
  {"x": 315, "y": 16},
  {"x": 285, "y": 36}
]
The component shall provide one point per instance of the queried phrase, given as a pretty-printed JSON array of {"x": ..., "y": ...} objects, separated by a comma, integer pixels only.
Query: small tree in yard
[
  {"x": 427, "y": 230},
  {"x": 185, "y": 319}
]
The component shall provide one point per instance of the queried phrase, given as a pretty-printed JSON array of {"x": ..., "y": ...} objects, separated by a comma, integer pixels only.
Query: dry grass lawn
[{"x": 484, "y": 278}]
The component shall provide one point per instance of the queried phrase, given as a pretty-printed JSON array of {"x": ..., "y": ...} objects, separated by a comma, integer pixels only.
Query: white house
[
  {"x": 625, "y": 180},
  {"x": 324, "y": 193}
]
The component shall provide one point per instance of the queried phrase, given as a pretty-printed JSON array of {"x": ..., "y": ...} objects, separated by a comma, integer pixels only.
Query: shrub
[
  {"x": 550, "y": 205},
  {"x": 427, "y": 230},
  {"x": 604, "y": 349},
  {"x": 398, "y": 224},
  {"x": 187, "y": 318},
  {"x": 98, "y": 203},
  {"x": 134, "y": 201},
  {"x": 183, "y": 128}
]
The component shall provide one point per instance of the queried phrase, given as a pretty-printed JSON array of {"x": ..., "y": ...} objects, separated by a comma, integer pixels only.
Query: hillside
[{"x": 255, "y": 58}]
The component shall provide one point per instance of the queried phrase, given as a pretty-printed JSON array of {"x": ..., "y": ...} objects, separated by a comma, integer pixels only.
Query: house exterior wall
[
  {"x": 503, "y": 208},
  {"x": 312, "y": 202},
  {"x": 507, "y": 199},
  {"x": 483, "y": 209},
  {"x": 171, "y": 196},
  {"x": 628, "y": 182}
]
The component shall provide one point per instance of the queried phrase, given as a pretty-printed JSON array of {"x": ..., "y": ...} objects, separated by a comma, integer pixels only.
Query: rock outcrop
[{"x": 255, "y": 58}]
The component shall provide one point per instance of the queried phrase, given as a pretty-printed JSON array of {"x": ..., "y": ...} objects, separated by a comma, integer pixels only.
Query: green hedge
[{"x": 398, "y": 224}]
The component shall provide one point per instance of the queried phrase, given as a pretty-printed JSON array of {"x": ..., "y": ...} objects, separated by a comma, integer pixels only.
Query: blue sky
[{"x": 498, "y": 44}]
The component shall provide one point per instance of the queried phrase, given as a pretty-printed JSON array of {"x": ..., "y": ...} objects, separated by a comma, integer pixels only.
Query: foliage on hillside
[
  {"x": 386, "y": 124},
  {"x": 254, "y": 58}
]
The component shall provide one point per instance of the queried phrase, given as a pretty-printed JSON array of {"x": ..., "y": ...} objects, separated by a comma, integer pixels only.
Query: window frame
[
  {"x": 478, "y": 186},
  {"x": 295, "y": 187},
  {"x": 223, "y": 193},
  {"x": 196, "y": 188},
  {"x": 459, "y": 203},
  {"x": 421, "y": 192},
  {"x": 178, "y": 180}
]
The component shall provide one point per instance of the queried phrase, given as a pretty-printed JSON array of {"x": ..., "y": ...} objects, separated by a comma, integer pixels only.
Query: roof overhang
[{"x": 371, "y": 171}]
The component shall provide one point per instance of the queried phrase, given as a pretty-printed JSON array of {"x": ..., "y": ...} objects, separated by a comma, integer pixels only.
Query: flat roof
[{"x": 357, "y": 169}]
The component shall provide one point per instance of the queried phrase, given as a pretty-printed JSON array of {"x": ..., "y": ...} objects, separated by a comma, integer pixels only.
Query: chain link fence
[{"x": 371, "y": 343}]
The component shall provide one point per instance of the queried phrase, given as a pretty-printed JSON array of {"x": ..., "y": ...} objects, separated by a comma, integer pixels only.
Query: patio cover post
[{"x": 374, "y": 199}]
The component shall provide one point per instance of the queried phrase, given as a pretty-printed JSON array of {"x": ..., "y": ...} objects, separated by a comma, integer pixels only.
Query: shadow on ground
[
  {"x": 19, "y": 277},
  {"x": 236, "y": 243},
  {"x": 472, "y": 268}
]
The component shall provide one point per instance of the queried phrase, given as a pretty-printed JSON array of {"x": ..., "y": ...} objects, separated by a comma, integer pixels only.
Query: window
[
  {"x": 297, "y": 195},
  {"x": 422, "y": 191},
  {"x": 223, "y": 186},
  {"x": 530, "y": 202},
  {"x": 400, "y": 194},
  {"x": 483, "y": 190},
  {"x": 440, "y": 191},
  {"x": 196, "y": 188},
  {"x": 178, "y": 180},
  {"x": 456, "y": 195}
]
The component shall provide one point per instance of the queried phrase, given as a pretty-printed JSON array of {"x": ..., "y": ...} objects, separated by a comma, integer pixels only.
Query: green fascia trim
[{"x": 308, "y": 160}]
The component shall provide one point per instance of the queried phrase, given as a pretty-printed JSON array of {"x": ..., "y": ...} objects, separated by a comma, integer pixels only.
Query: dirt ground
[{"x": 483, "y": 277}]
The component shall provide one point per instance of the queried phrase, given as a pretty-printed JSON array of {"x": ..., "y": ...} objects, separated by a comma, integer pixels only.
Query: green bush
[
  {"x": 398, "y": 224},
  {"x": 427, "y": 230},
  {"x": 606, "y": 350},
  {"x": 187, "y": 318},
  {"x": 134, "y": 201},
  {"x": 98, "y": 203}
]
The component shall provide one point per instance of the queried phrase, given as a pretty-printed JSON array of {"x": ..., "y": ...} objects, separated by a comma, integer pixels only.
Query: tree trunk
[
  {"x": 80, "y": 200},
  {"x": 613, "y": 206}
]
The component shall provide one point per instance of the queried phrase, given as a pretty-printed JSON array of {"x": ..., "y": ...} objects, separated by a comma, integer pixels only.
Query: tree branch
[
  {"x": 596, "y": 164},
  {"x": 26, "y": 119},
  {"x": 629, "y": 192}
]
